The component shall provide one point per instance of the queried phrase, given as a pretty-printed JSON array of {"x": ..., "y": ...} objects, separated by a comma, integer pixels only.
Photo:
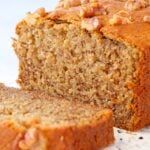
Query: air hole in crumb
[{"x": 65, "y": 68}]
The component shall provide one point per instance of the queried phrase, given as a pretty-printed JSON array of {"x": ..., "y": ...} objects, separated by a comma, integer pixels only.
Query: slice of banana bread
[
  {"x": 98, "y": 52},
  {"x": 32, "y": 120}
]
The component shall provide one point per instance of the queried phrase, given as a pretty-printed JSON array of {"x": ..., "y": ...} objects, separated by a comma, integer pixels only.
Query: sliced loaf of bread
[
  {"x": 94, "y": 51},
  {"x": 35, "y": 121}
]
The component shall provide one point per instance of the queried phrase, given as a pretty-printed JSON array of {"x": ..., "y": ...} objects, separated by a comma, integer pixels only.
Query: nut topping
[
  {"x": 31, "y": 19},
  {"x": 122, "y": 17},
  {"x": 41, "y": 12},
  {"x": 68, "y": 3},
  {"x": 93, "y": 9},
  {"x": 86, "y": 12},
  {"x": 74, "y": 3},
  {"x": 136, "y": 4},
  {"x": 91, "y": 24}
]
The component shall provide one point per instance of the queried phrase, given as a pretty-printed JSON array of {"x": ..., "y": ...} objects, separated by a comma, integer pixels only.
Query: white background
[{"x": 11, "y": 11}]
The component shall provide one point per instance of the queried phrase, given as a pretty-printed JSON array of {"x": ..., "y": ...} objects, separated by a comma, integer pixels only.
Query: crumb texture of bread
[
  {"x": 97, "y": 53},
  {"x": 34, "y": 120}
]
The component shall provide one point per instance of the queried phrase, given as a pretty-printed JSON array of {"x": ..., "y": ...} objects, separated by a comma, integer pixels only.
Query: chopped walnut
[
  {"x": 31, "y": 19},
  {"x": 136, "y": 4},
  {"x": 146, "y": 19},
  {"x": 86, "y": 12},
  {"x": 122, "y": 17},
  {"x": 85, "y": 8},
  {"x": 32, "y": 140},
  {"x": 91, "y": 10},
  {"x": 71, "y": 3},
  {"x": 41, "y": 12},
  {"x": 91, "y": 24}
]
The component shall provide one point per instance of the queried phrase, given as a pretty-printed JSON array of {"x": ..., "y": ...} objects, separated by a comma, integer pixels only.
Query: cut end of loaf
[
  {"x": 65, "y": 60},
  {"x": 34, "y": 119},
  {"x": 97, "y": 52}
]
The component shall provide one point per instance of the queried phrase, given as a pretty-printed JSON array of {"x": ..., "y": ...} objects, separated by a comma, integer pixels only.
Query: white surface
[
  {"x": 126, "y": 140},
  {"x": 11, "y": 11}
]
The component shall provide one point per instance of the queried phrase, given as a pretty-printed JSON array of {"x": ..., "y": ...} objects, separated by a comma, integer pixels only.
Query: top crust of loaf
[{"x": 134, "y": 30}]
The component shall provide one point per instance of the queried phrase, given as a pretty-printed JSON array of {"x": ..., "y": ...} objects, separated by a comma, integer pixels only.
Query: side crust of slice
[{"x": 92, "y": 136}]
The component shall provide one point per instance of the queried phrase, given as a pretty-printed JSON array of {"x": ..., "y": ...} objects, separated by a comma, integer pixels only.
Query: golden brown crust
[
  {"x": 128, "y": 35},
  {"x": 97, "y": 134},
  {"x": 135, "y": 34},
  {"x": 9, "y": 134},
  {"x": 86, "y": 138},
  {"x": 142, "y": 92}
]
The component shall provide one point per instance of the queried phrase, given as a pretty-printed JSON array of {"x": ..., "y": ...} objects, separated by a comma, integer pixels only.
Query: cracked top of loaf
[{"x": 126, "y": 21}]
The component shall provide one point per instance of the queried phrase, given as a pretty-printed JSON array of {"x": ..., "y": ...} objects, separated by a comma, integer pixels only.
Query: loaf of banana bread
[
  {"x": 95, "y": 51},
  {"x": 35, "y": 121}
]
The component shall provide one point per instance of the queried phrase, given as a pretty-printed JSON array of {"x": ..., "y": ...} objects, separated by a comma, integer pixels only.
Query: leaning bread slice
[{"x": 35, "y": 121}]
